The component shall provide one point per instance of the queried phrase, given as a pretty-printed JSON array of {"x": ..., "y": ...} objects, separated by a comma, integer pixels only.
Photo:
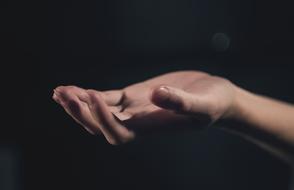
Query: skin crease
[{"x": 175, "y": 99}]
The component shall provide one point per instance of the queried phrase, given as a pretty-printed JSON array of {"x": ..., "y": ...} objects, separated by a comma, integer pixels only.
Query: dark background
[{"x": 110, "y": 44}]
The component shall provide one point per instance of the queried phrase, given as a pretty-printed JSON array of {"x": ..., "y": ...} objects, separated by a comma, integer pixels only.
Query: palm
[
  {"x": 136, "y": 108},
  {"x": 133, "y": 110}
]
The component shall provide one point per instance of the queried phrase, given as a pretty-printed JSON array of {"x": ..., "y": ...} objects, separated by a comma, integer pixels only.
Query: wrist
[
  {"x": 237, "y": 109},
  {"x": 251, "y": 117}
]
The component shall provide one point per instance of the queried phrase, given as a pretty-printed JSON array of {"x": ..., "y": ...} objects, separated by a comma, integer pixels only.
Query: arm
[
  {"x": 264, "y": 121},
  {"x": 175, "y": 99}
]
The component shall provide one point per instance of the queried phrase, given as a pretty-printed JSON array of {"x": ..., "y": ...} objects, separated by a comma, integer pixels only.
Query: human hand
[{"x": 164, "y": 103}]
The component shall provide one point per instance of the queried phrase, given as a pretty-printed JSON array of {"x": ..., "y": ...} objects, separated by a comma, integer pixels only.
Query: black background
[{"x": 110, "y": 44}]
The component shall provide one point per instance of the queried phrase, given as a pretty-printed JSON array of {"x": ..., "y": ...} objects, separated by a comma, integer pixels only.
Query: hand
[{"x": 167, "y": 102}]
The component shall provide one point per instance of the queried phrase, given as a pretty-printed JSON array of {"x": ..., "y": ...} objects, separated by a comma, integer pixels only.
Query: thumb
[{"x": 176, "y": 99}]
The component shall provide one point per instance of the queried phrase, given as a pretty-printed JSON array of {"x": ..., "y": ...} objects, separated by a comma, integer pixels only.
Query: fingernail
[
  {"x": 56, "y": 95},
  {"x": 57, "y": 89},
  {"x": 55, "y": 98}
]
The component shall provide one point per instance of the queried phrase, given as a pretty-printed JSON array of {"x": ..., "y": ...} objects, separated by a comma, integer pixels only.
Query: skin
[{"x": 172, "y": 101}]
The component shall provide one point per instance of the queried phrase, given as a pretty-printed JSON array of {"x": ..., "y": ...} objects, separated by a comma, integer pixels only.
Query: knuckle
[
  {"x": 90, "y": 91},
  {"x": 94, "y": 93},
  {"x": 185, "y": 107},
  {"x": 181, "y": 105}
]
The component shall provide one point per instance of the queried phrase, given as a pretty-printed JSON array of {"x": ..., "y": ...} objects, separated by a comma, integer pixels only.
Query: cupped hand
[{"x": 164, "y": 103}]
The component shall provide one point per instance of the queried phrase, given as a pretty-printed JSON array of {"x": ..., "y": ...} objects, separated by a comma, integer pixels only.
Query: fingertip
[
  {"x": 56, "y": 96},
  {"x": 160, "y": 95},
  {"x": 167, "y": 97},
  {"x": 58, "y": 89},
  {"x": 65, "y": 93},
  {"x": 90, "y": 97}
]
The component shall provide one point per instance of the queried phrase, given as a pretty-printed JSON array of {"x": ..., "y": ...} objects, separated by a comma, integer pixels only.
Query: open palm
[{"x": 163, "y": 103}]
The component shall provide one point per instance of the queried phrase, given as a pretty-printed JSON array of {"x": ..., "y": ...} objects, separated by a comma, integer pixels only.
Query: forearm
[{"x": 267, "y": 122}]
